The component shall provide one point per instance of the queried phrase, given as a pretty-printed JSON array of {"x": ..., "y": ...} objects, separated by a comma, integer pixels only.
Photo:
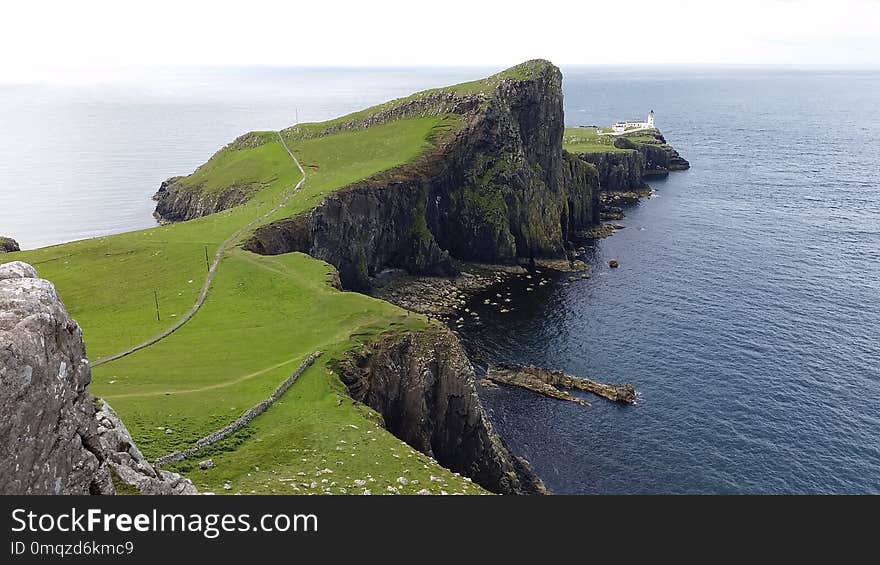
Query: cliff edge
[
  {"x": 8, "y": 245},
  {"x": 497, "y": 189},
  {"x": 424, "y": 386}
]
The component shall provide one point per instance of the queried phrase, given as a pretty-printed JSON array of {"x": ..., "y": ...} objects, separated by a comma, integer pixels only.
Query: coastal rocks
[
  {"x": 545, "y": 381},
  {"x": 641, "y": 155},
  {"x": 496, "y": 191},
  {"x": 48, "y": 434},
  {"x": 177, "y": 202},
  {"x": 623, "y": 197},
  {"x": 613, "y": 264},
  {"x": 128, "y": 464},
  {"x": 184, "y": 198},
  {"x": 562, "y": 265},
  {"x": 440, "y": 297},
  {"x": 424, "y": 387},
  {"x": 617, "y": 170},
  {"x": 8, "y": 245},
  {"x": 658, "y": 157},
  {"x": 599, "y": 232},
  {"x": 532, "y": 383}
]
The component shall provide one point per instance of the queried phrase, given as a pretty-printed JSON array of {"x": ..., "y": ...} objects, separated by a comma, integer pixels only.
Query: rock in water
[
  {"x": 8, "y": 245},
  {"x": 613, "y": 264},
  {"x": 48, "y": 435}
]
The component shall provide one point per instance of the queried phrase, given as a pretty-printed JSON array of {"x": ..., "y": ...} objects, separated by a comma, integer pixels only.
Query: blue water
[{"x": 745, "y": 310}]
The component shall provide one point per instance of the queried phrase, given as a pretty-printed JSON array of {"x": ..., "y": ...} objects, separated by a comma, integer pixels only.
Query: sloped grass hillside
[{"x": 262, "y": 317}]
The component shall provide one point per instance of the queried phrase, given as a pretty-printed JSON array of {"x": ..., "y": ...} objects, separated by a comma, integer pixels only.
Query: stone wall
[{"x": 242, "y": 420}]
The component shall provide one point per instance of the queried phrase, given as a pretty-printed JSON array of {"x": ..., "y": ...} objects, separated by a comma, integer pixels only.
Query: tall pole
[{"x": 156, "y": 298}]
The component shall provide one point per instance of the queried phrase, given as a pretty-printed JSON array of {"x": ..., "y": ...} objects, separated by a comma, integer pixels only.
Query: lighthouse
[{"x": 650, "y": 119}]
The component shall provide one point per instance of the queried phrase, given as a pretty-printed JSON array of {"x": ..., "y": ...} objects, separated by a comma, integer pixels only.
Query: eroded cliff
[
  {"x": 497, "y": 190},
  {"x": 423, "y": 385},
  {"x": 644, "y": 154}
]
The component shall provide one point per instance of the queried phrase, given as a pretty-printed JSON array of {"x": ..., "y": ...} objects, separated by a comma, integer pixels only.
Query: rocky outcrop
[
  {"x": 546, "y": 381},
  {"x": 177, "y": 202},
  {"x": 617, "y": 170},
  {"x": 48, "y": 435},
  {"x": 658, "y": 157},
  {"x": 8, "y": 245},
  {"x": 644, "y": 154},
  {"x": 54, "y": 437},
  {"x": 423, "y": 386},
  {"x": 184, "y": 198},
  {"x": 128, "y": 464},
  {"x": 498, "y": 190}
]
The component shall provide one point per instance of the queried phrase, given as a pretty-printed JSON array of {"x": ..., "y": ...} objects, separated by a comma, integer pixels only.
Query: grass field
[
  {"x": 263, "y": 315},
  {"x": 586, "y": 140}
]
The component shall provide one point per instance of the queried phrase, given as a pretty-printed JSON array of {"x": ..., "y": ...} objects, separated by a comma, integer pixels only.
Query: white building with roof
[{"x": 629, "y": 126}]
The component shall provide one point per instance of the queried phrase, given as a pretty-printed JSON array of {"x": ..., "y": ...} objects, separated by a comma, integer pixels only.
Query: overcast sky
[{"x": 49, "y": 38}]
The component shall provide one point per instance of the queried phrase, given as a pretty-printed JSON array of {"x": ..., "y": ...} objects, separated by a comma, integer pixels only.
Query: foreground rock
[
  {"x": 48, "y": 435},
  {"x": 128, "y": 463},
  {"x": 8, "y": 245},
  {"x": 54, "y": 437},
  {"x": 424, "y": 387},
  {"x": 545, "y": 381}
]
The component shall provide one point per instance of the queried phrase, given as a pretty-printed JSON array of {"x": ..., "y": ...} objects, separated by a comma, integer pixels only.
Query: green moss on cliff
[{"x": 420, "y": 231}]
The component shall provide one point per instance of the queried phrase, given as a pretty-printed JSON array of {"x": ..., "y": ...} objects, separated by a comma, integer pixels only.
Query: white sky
[{"x": 49, "y": 39}]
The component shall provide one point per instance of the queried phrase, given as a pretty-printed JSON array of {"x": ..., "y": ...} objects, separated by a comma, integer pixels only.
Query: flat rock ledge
[{"x": 547, "y": 381}]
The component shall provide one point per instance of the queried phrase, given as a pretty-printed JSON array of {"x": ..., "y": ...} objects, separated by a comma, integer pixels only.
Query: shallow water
[{"x": 745, "y": 310}]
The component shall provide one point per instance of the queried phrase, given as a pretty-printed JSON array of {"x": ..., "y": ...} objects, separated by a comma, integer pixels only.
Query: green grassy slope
[
  {"x": 263, "y": 315},
  {"x": 586, "y": 140}
]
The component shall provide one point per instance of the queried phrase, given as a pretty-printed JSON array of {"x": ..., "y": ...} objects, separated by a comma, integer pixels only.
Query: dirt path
[{"x": 212, "y": 271}]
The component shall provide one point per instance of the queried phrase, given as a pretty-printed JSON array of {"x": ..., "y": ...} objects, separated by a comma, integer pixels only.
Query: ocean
[{"x": 746, "y": 309}]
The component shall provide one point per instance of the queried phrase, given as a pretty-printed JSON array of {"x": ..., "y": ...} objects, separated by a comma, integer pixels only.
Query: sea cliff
[
  {"x": 630, "y": 158},
  {"x": 423, "y": 385},
  {"x": 498, "y": 190}
]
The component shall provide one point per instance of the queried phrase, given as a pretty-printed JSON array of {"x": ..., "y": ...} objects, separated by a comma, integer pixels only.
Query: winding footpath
[{"x": 212, "y": 270}]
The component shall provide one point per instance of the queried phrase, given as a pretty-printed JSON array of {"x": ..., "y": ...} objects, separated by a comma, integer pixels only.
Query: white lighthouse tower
[{"x": 650, "y": 119}]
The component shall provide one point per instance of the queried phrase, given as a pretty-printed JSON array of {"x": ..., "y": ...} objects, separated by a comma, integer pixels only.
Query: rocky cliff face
[
  {"x": 623, "y": 170},
  {"x": 647, "y": 155},
  {"x": 658, "y": 157},
  {"x": 177, "y": 203},
  {"x": 48, "y": 435},
  {"x": 499, "y": 190},
  {"x": 53, "y": 437},
  {"x": 423, "y": 385},
  {"x": 8, "y": 245}
]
